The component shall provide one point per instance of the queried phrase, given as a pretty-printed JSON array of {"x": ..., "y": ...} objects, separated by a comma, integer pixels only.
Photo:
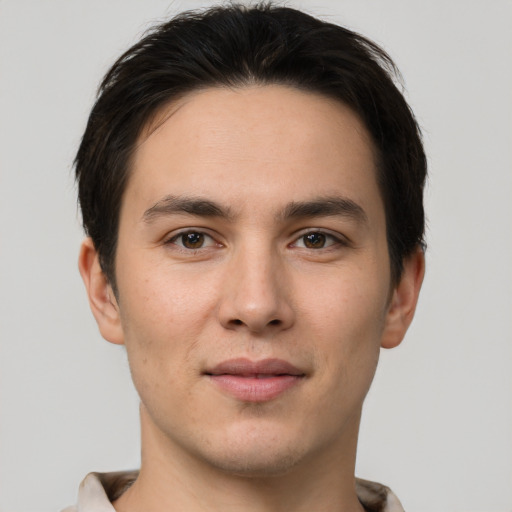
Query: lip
[{"x": 255, "y": 381}]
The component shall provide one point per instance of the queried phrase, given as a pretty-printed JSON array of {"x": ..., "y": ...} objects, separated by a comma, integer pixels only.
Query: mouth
[{"x": 255, "y": 381}]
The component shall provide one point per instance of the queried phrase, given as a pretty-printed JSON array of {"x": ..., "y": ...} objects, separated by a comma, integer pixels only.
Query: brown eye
[
  {"x": 314, "y": 240},
  {"x": 192, "y": 240}
]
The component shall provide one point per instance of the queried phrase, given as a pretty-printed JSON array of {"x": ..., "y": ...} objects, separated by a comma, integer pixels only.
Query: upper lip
[{"x": 246, "y": 367}]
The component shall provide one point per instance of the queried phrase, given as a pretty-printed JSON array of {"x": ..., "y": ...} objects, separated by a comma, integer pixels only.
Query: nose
[{"x": 256, "y": 294}]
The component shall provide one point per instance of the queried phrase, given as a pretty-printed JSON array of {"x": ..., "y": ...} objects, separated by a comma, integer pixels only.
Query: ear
[
  {"x": 404, "y": 299},
  {"x": 101, "y": 296}
]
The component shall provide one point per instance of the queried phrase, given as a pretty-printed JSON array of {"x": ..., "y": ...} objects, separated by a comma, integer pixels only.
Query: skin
[{"x": 311, "y": 289}]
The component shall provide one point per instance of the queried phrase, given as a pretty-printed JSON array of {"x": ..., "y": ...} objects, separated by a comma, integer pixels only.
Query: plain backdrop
[{"x": 437, "y": 425}]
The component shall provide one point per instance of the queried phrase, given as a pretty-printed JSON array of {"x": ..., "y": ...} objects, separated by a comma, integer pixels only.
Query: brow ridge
[
  {"x": 325, "y": 207},
  {"x": 185, "y": 205},
  {"x": 201, "y": 207}
]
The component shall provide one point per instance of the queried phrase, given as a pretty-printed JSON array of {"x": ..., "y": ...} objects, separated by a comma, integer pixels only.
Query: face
[{"x": 253, "y": 277}]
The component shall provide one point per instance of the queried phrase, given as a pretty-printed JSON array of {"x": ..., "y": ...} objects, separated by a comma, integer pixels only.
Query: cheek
[
  {"x": 163, "y": 297},
  {"x": 163, "y": 316},
  {"x": 352, "y": 304},
  {"x": 346, "y": 325}
]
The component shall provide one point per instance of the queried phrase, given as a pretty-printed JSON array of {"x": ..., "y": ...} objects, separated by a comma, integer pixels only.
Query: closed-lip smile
[{"x": 255, "y": 381}]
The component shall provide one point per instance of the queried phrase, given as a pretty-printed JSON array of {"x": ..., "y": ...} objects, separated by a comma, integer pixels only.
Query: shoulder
[
  {"x": 376, "y": 497},
  {"x": 98, "y": 490}
]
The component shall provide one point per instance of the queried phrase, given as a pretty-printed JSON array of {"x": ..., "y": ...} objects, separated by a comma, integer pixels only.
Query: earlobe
[
  {"x": 102, "y": 300},
  {"x": 403, "y": 302}
]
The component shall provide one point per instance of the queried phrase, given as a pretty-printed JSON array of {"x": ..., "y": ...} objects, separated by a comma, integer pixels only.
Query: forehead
[{"x": 275, "y": 143}]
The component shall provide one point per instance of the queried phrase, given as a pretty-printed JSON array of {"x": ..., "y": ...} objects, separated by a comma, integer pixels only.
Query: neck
[{"x": 172, "y": 479}]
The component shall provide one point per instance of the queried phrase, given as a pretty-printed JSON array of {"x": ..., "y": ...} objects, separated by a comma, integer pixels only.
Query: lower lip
[{"x": 251, "y": 389}]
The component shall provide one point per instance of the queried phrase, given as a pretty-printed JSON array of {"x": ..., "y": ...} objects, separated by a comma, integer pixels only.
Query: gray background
[{"x": 437, "y": 425}]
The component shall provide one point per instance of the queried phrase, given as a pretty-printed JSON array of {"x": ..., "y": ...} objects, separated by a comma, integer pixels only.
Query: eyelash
[
  {"x": 179, "y": 237},
  {"x": 335, "y": 240}
]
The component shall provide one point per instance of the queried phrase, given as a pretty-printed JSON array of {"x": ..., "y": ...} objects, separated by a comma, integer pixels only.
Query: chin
[
  {"x": 260, "y": 464},
  {"x": 256, "y": 453}
]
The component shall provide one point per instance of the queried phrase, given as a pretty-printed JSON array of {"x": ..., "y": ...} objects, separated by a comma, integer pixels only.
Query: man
[{"x": 251, "y": 183}]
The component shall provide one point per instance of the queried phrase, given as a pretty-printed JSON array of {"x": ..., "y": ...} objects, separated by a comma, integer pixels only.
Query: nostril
[{"x": 237, "y": 321}]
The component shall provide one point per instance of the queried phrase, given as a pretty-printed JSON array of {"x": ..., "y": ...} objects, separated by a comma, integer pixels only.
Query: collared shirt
[{"x": 98, "y": 491}]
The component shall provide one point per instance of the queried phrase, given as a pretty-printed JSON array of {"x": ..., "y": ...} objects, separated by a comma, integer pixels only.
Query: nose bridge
[{"x": 256, "y": 296}]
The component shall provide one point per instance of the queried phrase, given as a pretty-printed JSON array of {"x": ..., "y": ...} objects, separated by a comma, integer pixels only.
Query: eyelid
[
  {"x": 338, "y": 238},
  {"x": 171, "y": 238}
]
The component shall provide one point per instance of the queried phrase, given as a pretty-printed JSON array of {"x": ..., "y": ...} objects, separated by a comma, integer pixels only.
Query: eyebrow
[
  {"x": 176, "y": 205},
  {"x": 325, "y": 207},
  {"x": 200, "y": 207}
]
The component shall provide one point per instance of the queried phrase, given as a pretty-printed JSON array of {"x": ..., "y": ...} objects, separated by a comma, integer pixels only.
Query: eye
[
  {"x": 316, "y": 240},
  {"x": 192, "y": 240}
]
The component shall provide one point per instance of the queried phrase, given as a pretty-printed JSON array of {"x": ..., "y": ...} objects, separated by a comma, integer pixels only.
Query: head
[
  {"x": 251, "y": 181},
  {"x": 238, "y": 47}
]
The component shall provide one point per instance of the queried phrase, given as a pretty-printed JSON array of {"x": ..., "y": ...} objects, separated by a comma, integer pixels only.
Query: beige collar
[{"x": 98, "y": 491}]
